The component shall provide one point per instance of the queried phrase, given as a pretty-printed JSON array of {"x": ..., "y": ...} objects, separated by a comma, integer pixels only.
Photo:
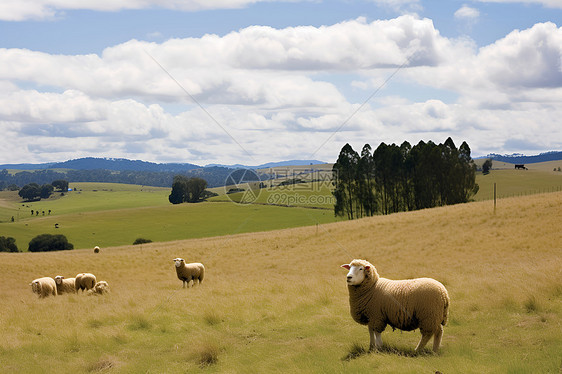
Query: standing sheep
[
  {"x": 65, "y": 285},
  {"x": 189, "y": 272},
  {"x": 44, "y": 287},
  {"x": 403, "y": 304},
  {"x": 84, "y": 281}
]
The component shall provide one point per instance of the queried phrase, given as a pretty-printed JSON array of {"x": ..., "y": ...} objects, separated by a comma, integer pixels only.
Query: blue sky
[{"x": 250, "y": 81}]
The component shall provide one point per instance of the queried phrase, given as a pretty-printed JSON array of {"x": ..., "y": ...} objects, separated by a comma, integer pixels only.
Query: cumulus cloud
[
  {"x": 522, "y": 66},
  {"x": 467, "y": 13},
  {"x": 271, "y": 90},
  {"x": 257, "y": 65}
]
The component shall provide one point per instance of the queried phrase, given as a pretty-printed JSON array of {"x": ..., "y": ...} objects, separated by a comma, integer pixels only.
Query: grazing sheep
[
  {"x": 100, "y": 288},
  {"x": 65, "y": 285},
  {"x": 96, "y": 249},
  {"x": 403, "y": 304},
  {"x": 85, "y": 281},
  {"x": 189, "y": 272},
  {"x": 44, "y": 287}
]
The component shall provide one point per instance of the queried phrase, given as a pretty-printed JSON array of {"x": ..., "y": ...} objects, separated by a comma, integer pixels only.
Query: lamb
[
  {"x": 100, "y": 288},
  {"x": 84, "y": 281},
  {"x": 189, "y": 272},
  {"x": 44, "y": 287},
  {"x": 65, "y": 285},
  {"x": 403, "y": 304}
]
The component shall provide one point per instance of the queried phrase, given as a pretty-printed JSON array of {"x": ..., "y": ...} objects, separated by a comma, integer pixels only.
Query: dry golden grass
[{"x": 277, "y": 301}]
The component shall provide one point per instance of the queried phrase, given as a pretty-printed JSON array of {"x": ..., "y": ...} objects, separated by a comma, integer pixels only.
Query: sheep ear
[
  {"x": 367, "y": 267},
  {"x": 345, "y": 266}
]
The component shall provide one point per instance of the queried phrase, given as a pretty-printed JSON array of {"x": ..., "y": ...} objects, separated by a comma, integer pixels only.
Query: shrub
[
  {"x": 48, "y": 242},
  {"x": 8, "y": 244},
  {"x": 141, "y": 241}
]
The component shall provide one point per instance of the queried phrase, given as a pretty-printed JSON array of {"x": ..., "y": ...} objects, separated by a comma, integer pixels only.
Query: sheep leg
[
  {"x": 423, "y": 341},
  {"x": 375, "y": 339},
  {"x": 437, "y": 338},
  {"x": 183, "y": 284}
]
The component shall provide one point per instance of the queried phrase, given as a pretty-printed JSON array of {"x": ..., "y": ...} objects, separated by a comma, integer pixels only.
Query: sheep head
[
  {"x": 179, "y": 262},
  {"x": 59, "y": 279},
  {"x": 36, "y": 287},
  {"x": 359, "y": 270}
]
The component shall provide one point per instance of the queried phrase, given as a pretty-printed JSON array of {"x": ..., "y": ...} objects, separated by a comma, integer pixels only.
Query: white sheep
[
  {"x": 99, "y": 288},
  {"x": 44, "y": 287},
  {"x": 84, "y": 281},
  {"x": 65, "y": 285},
  {"x": 96, "y": 249},
  {"x": 403, "y": 304},
  {"x": 189, "y": 272}
]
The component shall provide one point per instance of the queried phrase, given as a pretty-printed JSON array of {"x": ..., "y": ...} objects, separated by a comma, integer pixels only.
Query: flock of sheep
[
  {"x": 374, "y": 301},
  {"x": 47, "y": 286}
]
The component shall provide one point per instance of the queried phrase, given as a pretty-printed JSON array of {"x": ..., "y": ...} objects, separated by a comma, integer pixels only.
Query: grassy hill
[
  {"x": 114, "y": 214},
  {"x": 109, "y": 214},
  {"x": 277, "y": 301}
]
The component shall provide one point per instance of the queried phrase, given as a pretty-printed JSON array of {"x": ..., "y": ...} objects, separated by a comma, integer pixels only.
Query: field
[
  {"x": 277, "y": 301},
  {"x": 113, "y": 214}
]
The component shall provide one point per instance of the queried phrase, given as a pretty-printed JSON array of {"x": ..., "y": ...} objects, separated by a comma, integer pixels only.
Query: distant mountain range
[
  {"x": 523, "y": 159},
  {"x": 116, "y": 164},
  {"x": 121, "y": 164},
  {"x": 271, "y": 164},
  {"x": 120, "y": 170}
]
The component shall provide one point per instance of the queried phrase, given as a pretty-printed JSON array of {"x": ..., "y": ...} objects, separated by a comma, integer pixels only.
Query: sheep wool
[
  {"x": 100, "y": 288},
  {"x": 44, "y": 287},
  {"x": 189, "y": 272},
  {"x": 403, "y": 304},
  {"x": 84, "y": 281},
  {"x": 65, "y": 285}
]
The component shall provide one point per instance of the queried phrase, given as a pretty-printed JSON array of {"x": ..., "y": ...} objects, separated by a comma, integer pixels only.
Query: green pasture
[
  {"x": 88, "y": 197},
  {"x": 308, "y": 195},
  {"x": 161, "y": 223},
  {"x": 511, "y": 183},
  {"x": 107, "y": 214}
]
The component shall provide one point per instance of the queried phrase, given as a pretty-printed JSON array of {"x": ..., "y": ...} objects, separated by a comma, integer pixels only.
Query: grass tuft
[
  {"x": 101, "y": 365},
  {"x": 531, "y": 305},
  {"x": 355, "y": 351},
  {"x": 94, "y": 323},
  {"x": 212, "y": 318},
  {"x": 207, "y": 355},
  {"x": 139, "y": 323}
]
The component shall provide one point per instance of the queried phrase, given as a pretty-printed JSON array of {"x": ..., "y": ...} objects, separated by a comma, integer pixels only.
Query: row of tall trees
[{"x": 402, "y": 178}]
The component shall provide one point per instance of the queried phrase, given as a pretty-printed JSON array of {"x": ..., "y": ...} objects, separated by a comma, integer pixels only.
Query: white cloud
[
  {"x": 519, "y": 67},
  {"x": 270, "y": 89},
  {"x": 467, "y": 13}
]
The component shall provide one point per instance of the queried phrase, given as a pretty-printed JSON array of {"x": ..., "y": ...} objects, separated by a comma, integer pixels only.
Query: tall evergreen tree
[{"x": 344, "y": 172}]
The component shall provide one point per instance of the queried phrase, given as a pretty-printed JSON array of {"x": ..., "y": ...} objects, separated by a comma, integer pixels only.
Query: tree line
[
  {"x": 396, "y": 178},
  {"x": 214, "y": 176}
]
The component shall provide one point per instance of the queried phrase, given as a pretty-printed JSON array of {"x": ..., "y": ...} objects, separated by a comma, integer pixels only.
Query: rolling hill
[{"x": 277, "y": 302}]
